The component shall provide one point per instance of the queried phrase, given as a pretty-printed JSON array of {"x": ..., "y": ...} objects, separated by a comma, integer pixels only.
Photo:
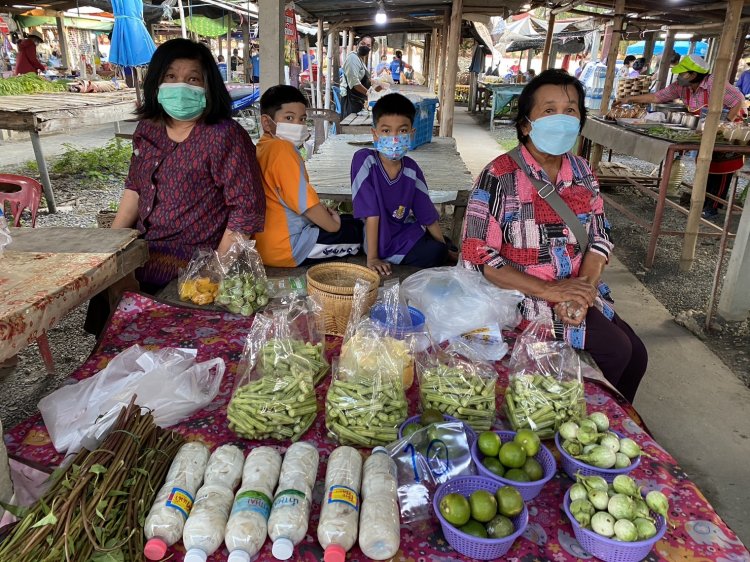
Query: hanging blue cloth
[{"x": 131, "y": 44}]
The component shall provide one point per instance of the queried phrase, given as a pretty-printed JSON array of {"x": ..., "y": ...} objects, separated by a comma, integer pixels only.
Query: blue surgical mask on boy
[
  {"x": 394, "y": 147},
  {"x": 555, "y": 134}
]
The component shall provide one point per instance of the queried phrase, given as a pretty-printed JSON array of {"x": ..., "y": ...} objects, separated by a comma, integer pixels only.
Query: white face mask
[{"x": 295, "y": 133}]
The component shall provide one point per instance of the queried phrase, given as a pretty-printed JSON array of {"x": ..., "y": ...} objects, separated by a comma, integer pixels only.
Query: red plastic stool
[{"x": 20, "y": 193}]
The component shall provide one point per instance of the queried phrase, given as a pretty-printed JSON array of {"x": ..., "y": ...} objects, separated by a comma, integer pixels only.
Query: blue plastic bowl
[{"x": 402, "y": 328}]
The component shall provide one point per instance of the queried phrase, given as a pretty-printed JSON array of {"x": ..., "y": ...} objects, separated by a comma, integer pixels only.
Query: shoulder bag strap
[{"x": 547, "y": 192}]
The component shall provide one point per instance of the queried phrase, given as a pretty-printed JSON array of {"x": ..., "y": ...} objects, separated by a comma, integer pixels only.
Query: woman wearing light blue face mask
[
  {"x": 194, "y": 179},
  {"x": 517, "y": 231}
]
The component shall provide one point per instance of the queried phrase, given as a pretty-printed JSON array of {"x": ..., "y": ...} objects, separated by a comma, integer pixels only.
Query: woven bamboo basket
[
  {"x": 334, "y": 284},
  {"x": 104, "y": 219}
]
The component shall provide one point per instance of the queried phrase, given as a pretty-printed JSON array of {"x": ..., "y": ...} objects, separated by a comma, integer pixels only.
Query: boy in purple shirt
[{"x": 389, "y": 193}]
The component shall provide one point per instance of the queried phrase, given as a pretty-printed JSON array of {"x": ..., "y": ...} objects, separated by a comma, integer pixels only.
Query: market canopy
[{"x": 680, "y": 47}]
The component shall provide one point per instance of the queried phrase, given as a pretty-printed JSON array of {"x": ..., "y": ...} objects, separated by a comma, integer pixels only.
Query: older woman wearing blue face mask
[{"x": 535, "y": 223}]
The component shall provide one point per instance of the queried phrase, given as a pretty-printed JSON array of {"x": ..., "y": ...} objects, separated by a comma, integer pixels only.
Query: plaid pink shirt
[{"x": 698, "y": 99}]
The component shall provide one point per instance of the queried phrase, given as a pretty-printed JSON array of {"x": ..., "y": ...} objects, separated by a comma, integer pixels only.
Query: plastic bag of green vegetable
[
  {"x": 243, "y": 287},
  {"x": 545, "y": 387},
  {"x": 275, "y": 393},
  {"x": 453, "y": 382}
]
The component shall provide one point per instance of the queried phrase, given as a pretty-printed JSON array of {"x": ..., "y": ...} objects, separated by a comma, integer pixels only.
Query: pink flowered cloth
[{"x": 699, "y": 534}]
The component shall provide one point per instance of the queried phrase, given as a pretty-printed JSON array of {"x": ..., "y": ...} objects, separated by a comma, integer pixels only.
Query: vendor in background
[
  {"x": 693, "y": 86},
  {"x": 54, "y": 60},
  {"x": 743, "y": 82},
  {"x": 356, "y": 79},
  {"x": 625, "y": 69},
  {"x": 194, "y": 178},
  {"x": 639, "y": 68},
  {"x": 399, "y": 67},
  {"x": 518, "y": 241},
  {"x": 381, "y": 66},
  {"x": 27, "y": 60}
]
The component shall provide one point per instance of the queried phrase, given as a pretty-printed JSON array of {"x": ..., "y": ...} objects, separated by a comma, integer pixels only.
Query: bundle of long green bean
[
  {"x": 281, "y": 403},
  {"x": 543, "y": 403},
  {"x": 95, "y": 507}
]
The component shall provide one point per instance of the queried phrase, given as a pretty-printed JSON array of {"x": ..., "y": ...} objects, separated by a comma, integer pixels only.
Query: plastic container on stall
[
  {"x": 171, "y": 508},
  {"x": 204, "y": 529},
  {"x": 339, "y": 514},
  {"x": 247, "y": 525},
  {"x": 380, "y": 527},
  {"x": 5, "y": 238},
  {"x": 290, "y": 513}
]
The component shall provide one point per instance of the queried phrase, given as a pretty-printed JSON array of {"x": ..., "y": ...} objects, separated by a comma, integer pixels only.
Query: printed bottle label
[
  {"x": 288, "y": 498},
  {"x": 251, "y": 500},
  {"x": 180, "y": 500},
  {"x": 345, "y": 495}
]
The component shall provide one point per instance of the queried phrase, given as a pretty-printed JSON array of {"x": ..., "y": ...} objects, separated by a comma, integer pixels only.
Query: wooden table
[
  {"x": 448, "y": 179},
  {"x": 44, "y": 113},
  {"x": 502, "y": 96},
  {"x": 657, "y": 151},
  {"x": 47, "y": 272}
]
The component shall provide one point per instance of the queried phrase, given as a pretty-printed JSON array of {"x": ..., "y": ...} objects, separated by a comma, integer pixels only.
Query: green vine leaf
[{"x": 49, "y": 519}]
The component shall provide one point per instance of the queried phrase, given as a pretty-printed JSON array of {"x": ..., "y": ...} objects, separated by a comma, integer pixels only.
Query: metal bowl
[
  {"x": 690, "y": 120},
  {"x": 675, "y": 117}
]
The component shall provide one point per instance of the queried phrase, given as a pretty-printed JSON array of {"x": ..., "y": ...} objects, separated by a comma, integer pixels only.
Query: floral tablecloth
[{"x": 699, "y": 534}]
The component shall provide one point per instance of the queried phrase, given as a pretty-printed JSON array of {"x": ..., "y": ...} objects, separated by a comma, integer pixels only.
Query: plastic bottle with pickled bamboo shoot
[
  {"x": 380, "y": 527},
  {"x": 204, "y": 529},
  {"x": 675, "y": 176},
  {"x": 339, "y": 514},
  {"x": 170, "y": 510},
  {"x": 290, "y": 512},
  {"x": 248, "y": 522}
]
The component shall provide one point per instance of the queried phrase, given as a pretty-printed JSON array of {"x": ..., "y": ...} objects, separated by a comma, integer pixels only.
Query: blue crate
[{"x": 423, "y": 122}]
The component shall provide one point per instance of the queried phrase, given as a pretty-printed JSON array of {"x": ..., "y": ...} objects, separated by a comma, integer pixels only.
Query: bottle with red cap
[
  {"x": 248, "y": 524},
  {"x": 380, "y": 531},
  {"x": 204, "y": 529},
  {"x": 174, "y": 501},
  {"x": 339, "y": 514}
]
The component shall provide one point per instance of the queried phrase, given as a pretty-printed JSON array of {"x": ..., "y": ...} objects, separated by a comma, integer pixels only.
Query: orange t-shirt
[{"x": 288, "y": 236}]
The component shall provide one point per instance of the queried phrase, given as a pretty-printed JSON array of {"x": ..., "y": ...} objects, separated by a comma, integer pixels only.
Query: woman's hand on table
[
  {"x": 379, "y": 266},
  {"x": 578, "y": 291}
]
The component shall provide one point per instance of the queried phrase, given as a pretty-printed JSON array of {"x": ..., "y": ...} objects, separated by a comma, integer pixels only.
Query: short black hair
[
  {"x": 276, "y": 96},
  {"x": 639, "y": 64},
  {"x": 675, "y": 58},
  {"x": 629, "y": 59},
  {"x": 218, "y": 102},
  {"x": 399, "y": 54},
  {"x": 393, "y": 104},
  {"x": 554, "y": 77}
]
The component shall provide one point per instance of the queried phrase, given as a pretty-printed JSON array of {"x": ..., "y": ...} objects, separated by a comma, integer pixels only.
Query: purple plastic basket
[
  {"x": 528, "y": 490},
  {"x": 468, "y": 545},
  {"x": 611, "y": 550},
  {"x": 571, "y": 466},
  {"x": 470, "y": 433}
]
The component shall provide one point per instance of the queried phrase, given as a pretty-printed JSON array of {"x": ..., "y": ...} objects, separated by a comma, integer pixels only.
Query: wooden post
[
  {"x": 62, "y": 33},
  {"x": 530, "y": 57},
  {"x": 552, "y": 63},
  {"x": 451, "y": 69},
  {"x": 708, "y": 139},
  {"x": 443, "y": 59},
  {"x": 319, "y": 57},
  {"x": 648, "y": 48},
  {"x": 246, "y": 50},
  {"x": 548, "y": 41},
  {"x": 427, "y": 55},
  {"x": 229, "y": 48},
  {"x": 739, "y": 47},
  {"x": 666, "y": 55},
  {"x": 433, "y": 56},
  {"x": 351, "y": 48},
  {"x": 329, "y": 72},
  {"x": 271, "y": 27}
]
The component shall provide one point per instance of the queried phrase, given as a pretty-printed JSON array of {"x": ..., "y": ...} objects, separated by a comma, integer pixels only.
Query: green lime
[
  {"x": 517, "y": 474},
  {"x": 456, "y": 509},
  {"x": 410, "y": 429},
  {"x": 512, "y": 455},
  {"x": 489, "y": 443},
  {"x": 533, "y": 469},
  {"x": 475, "y": 529},
  {"x": 500, "y": 527},
  {"x": 431, "y": 415},
  {"x": 529, "y": 441},
  {"x": 494, "y": 466},
  {"x": 509, "y": 501},
  {"x": 483, "y": 505}
]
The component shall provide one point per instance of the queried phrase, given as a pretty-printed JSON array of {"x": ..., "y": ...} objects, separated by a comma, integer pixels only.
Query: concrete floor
[{"x": 696, "y": 408}]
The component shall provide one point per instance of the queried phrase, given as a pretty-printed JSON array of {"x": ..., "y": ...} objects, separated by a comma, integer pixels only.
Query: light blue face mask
[
  {"x": 181, "y": 101},
  {"x": 394, "y": 147},
  {"x": 555, "y": 134}
]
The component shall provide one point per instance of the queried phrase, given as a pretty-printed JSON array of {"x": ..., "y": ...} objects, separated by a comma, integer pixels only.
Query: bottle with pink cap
[
  {"x": 170, "y": 510},
  {"x": 339, "y": 514},
  {"x": 204, "y": 529},
  {"x": 248, "y": 524}
]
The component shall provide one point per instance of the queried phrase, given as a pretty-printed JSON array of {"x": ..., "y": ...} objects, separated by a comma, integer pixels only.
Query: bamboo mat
[{"x": 38, "y": 103}]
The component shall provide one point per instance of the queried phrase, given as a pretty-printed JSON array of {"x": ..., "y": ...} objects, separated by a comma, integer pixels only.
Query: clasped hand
[{"x": 573, "y": 297}]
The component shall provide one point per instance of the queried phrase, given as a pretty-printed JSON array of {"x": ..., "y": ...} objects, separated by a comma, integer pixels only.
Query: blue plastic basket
[
  {"x": 571, "y": 466},
  {"x": 415, "y": 324},
  {"x": 528, "y": 490},
  {"x": 468, "y": 545},
  {"x": 611, "y": 550},
  {"x": 471, "y": 435},
  {"x": 424, "y": 121}
]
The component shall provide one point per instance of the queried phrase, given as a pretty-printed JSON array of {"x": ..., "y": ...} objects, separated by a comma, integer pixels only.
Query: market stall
[
  {"x": 44, "y": 113},
  {"x": 503, "y": 96},
  {"x": 695, "y": 531}
]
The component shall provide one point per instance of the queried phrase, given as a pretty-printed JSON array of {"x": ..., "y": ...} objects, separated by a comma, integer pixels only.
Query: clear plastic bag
[
  {"x": 545, "y": 388},
  {"x": 275, "y": 392},
  {"x": 457, "y": 384},
  {"x": 456, "y": 300},
  {"x": 366, "y": 403},
  {"x": 424, "y": 460},
  {"x": 199, "y": 281},
  {"x": 243, "y": 288}
]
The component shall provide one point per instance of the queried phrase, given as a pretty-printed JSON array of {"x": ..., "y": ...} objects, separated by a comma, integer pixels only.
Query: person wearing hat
[
  {"x": 693, "y": 86},
  {"x": 27, "y": 61},
  {"x": 743, "y": 83}
]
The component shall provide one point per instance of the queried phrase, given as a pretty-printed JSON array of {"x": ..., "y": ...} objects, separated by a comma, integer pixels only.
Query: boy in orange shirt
[{"x": 297, "y": 227}]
